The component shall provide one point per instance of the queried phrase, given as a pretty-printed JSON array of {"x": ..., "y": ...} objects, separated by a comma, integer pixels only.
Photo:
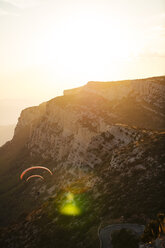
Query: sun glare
[
  {"x": 88, "y": 44},
  {"x": 58, "y": 45}
]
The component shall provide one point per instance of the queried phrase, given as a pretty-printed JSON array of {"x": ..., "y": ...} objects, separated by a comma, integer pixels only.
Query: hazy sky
[{"x": 50, "y": 45}]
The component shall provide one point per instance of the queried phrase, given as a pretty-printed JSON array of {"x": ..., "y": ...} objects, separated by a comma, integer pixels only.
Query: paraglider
[
  {"x": 32, "y": 176},
  {"x": 32, "y": 168}
]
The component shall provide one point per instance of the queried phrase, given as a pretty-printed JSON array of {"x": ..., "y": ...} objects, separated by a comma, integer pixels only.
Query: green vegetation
[{"x": 61, "y": 230}]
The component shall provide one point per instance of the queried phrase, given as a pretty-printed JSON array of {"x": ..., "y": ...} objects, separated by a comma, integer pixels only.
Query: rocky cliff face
[
  {"x": 103, "y": 141},
  {"x": 151, "y": 90},
  {"x": 63, "y": 128},
  {"x": 126, "y": 178}
]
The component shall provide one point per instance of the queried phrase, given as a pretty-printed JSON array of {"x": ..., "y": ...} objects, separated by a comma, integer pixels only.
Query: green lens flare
[
  {"x": 70, "y": 209},
  {"x": 69, "y": 206}
]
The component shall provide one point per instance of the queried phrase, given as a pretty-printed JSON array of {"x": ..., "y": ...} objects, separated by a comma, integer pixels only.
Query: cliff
[
  {"x": 104, "y": 143},
  {"x": 64, "y": 127}
]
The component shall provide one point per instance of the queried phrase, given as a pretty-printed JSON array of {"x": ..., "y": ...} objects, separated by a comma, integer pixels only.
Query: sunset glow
[{"x": 49, "y": 46}]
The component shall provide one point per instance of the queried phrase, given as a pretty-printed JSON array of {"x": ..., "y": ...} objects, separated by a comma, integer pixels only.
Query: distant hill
[{"x": 6, "y": 133}]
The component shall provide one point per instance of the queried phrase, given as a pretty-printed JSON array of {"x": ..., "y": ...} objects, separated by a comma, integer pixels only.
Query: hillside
[{"x": 105, "y": 144}]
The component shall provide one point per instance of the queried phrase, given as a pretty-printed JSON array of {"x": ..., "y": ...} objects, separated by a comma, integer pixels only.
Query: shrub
[{"x": 150, "y": 232}]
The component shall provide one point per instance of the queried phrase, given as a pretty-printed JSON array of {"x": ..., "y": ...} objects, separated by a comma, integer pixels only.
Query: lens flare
[
  {"x": 70, "y": 209},
  {"x": 69, "y": 206}
]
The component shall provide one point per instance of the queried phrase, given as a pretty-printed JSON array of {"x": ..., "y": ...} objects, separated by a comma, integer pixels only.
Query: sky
[{"x": 47, "y": 46}]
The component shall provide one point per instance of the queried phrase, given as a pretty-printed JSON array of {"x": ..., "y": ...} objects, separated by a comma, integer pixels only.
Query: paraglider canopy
[
  {"x": 32, "y": 176},
  {"x": 33, "y": 168}
]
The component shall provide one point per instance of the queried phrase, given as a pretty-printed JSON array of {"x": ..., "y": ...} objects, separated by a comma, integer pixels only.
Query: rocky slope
[{"x": 105, "y": 144}]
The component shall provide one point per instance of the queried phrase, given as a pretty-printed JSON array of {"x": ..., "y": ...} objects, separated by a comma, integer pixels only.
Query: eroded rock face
[
  {"x": 79, "y": 130},
  {"x": 63, "y": 128}
]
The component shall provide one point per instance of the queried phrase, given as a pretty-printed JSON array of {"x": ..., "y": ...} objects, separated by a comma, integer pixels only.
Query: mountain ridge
[{"x": 110, "y": 151}]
